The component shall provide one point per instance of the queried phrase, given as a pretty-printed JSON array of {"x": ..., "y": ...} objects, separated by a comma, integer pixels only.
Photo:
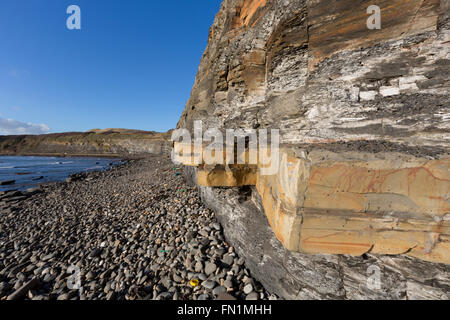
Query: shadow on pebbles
[{"x": 133, "y": 232}]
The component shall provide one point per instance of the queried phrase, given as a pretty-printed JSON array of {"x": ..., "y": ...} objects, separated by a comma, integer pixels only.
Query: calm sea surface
[{"x": 28, "y": 172}]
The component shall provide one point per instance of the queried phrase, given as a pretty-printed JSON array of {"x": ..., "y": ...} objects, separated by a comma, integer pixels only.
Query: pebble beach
[{"x": 134, "y": 232}]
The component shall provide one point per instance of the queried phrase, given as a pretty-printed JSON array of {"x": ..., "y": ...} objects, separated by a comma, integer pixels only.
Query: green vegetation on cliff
[{"x": 94, "y": 142}]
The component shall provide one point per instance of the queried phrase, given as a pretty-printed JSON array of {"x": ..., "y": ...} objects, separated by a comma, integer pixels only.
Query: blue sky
[{"x": 132, "y": 64}]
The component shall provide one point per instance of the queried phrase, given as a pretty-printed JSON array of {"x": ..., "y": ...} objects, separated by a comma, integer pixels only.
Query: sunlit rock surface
[{"x": 364, "y": 119}]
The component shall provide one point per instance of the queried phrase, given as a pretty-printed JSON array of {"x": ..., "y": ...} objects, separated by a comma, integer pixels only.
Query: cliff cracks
[{"x": 364, "y": 127}]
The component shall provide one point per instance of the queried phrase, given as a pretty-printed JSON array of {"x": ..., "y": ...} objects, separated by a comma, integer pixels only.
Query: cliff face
[
  {"x": 314, "y": 70},
  {"x": 364, "y": 126},
  {"x": 95, "y": 142}
]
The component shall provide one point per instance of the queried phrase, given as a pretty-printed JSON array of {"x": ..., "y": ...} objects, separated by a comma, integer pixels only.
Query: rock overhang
[
  {"x": 373, "y": 105},
  {"x": 314, "y": 70},
  {"x": 327, "y": 202}
]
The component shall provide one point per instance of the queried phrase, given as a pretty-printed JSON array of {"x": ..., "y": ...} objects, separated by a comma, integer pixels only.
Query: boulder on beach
[{"x": 7, "y": 182}]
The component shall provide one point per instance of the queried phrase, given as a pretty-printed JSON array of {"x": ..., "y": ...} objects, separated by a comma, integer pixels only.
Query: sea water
[{"x": 29, "y": 172}]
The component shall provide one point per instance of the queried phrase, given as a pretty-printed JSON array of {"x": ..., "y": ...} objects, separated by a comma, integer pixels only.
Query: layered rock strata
[
  {"x": 294, "y": 275},
  {"x": 313, "y": 69},
  {"x": 364, "y": 127},
  {"x": 335, "y": 202}
]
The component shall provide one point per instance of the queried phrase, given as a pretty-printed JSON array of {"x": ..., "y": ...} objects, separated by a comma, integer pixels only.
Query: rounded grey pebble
[
  {"x": 228, "y": 259},
  {"x": 209, "y": 284},
  {"x": 164, "y": 296},
  {"x": 128, "y": 252},
  {"x": 219, "y": 290},
  {"x": 210, "y": 268},
  {"x": 177, "y": 278},
  {"x": 252, "y": 296},
  {"x": 248, "y": 289}
]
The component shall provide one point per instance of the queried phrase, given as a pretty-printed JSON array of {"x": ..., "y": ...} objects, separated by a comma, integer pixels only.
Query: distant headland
[{"x": 96, "y": 142}]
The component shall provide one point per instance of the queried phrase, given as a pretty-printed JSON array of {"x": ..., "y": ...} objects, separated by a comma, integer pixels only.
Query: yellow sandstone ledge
[{"x": 351, "y": 203}]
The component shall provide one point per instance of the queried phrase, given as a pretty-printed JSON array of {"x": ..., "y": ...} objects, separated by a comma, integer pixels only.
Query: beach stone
[
  {"x": 95, "y": 252},
  {"x": 32, "y": 191},
  {"x": 235, "y": 269},
  {"x": 7, "y": 182},
  {"x": 177, "y": 278},
  {"x": 166, "y": 282},
  {"x": 65, "y": 296},
  {"x": 49, "y": 277},
  {"x": 90, "y": 275},
  {"x": 155, "y": 267},
  {"x": 204, "y": 233},
  {"x": 228, "y": 259},
  {"x": 164, "y": 296},
  {"x": 48, "y": 257},
  {"x": 210, "y": 284},
  {"x": 248, "y": 289},
  {"x": 2, "y": 287},
  {"x": 252, "y": 296},
  {"x": 113, "y": 232},
  {"x": 210, "y": 268},
  {"x": 225, "y": 297},
  {"x": 198, "y": 266},
  {"x": 219, "y": 290},
  {"x": 219, "y": 251}
]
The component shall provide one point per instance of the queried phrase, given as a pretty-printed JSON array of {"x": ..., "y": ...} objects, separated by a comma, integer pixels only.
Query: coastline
[
  {"x": 43, "y": 179},
  {"x": 136, "y": 231},
  {"x": 114, "y": 156}
]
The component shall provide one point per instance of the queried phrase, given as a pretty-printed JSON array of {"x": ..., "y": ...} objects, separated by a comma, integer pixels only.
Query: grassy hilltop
[{"x": 93, "y": 142}]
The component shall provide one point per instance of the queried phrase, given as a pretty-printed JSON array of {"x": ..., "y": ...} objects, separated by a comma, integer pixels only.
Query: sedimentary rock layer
[
  {"x": 352, "y": 203},
  {"x": 364, "y": 124},
  {"x": 294, "y": 275},
  {"x": 313, "y": 69}
]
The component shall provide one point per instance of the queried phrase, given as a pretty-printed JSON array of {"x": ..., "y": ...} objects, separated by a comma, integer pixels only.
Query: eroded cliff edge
[
  {"x": 107, "y": 142},
  {"x": 366, "y": 112}
]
